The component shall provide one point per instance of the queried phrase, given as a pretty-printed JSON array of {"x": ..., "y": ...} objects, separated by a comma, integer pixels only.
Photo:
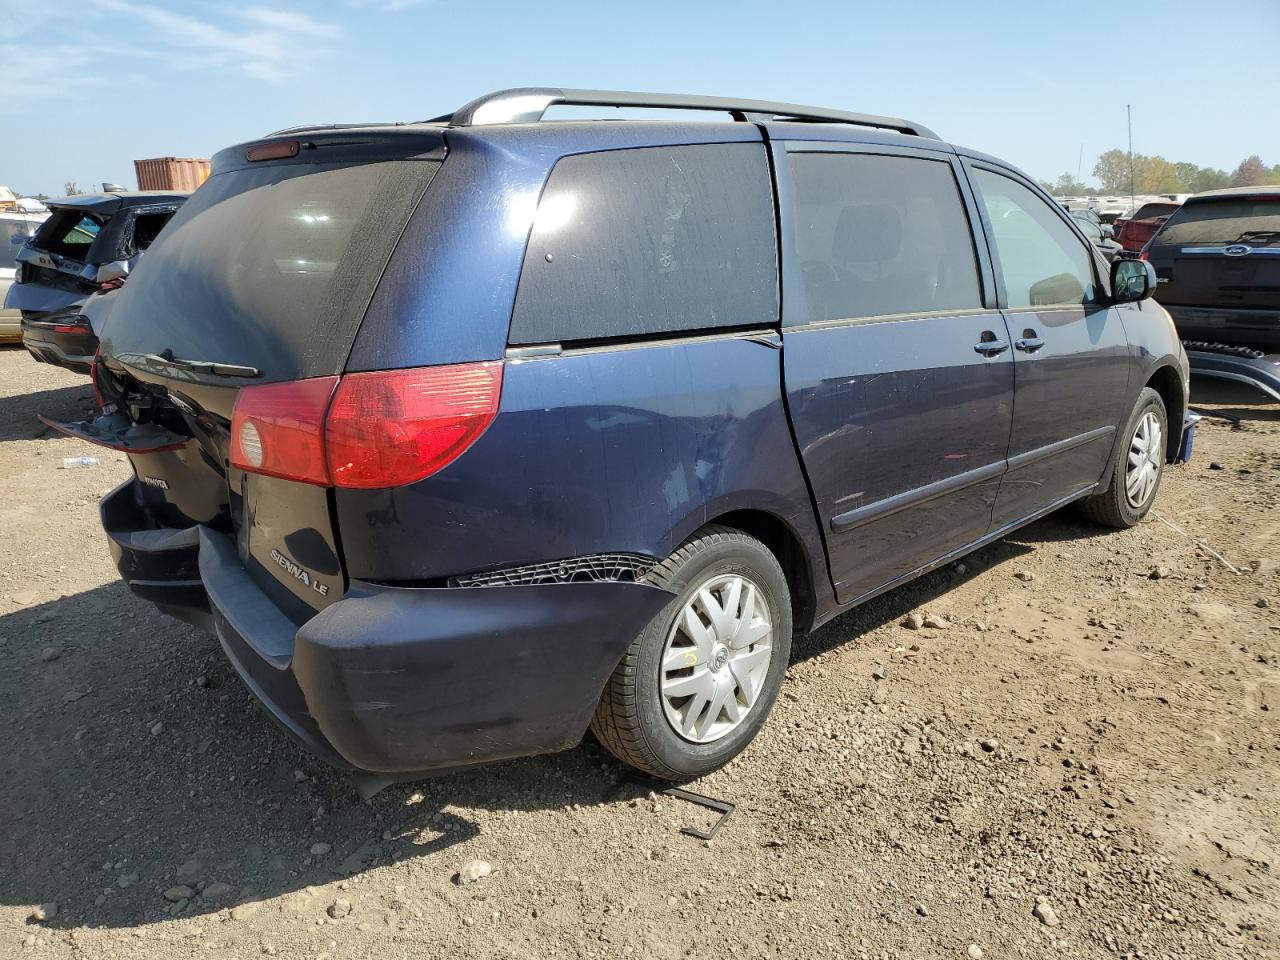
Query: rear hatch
[
  {"x": 261, "y": 279},
  {"x": 51, "y": 267},
  {"x": 1220, "y": 252},
  {"x": 59, "y": 267}
]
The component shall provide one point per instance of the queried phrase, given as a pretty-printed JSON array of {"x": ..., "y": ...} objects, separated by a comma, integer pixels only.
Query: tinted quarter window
[
  {"x": 649, "y": 241},
  {"x": 1042, "y": 261},
  {"x": 880, "y": 235},
  {"x": 145, "y": 228}
]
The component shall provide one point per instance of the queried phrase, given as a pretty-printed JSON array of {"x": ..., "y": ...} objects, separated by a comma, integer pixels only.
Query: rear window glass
[
  {"x": 649, "y": 241},
  {"x": 145, "y": 228},
  {"x": 13, "y": 234},
  {"x": 881, "y": 235},
  {"x": 70, "y": 233},
  {"x": 1249, "y": 220},
  {"x": 270, "y": 267},
  {"x": 1150, "y": 210}
]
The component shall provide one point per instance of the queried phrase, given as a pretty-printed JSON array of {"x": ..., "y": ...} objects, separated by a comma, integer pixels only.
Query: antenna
[{"x": 1128, "y": 109}]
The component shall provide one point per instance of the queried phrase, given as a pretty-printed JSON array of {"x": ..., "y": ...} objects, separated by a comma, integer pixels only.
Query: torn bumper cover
[
  {"x": 1240, "y": 364},
  {"x": 399, "y": 680}
]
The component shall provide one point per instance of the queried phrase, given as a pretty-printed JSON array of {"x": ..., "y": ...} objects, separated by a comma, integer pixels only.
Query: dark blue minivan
[{"x": 468, "y": 435}]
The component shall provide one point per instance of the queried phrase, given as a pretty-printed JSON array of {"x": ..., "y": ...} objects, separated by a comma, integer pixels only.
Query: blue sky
[{"x": 86, "y": 86}]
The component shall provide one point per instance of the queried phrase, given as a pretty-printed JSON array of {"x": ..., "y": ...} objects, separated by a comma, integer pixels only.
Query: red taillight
[
  {"x": 393, "y": 427},
  {"x": 278, "y": 429},
  {"x": 69, "y": 328},
  {"x": 380, "y": 429},
  {"x": 1144, "y": 255}
]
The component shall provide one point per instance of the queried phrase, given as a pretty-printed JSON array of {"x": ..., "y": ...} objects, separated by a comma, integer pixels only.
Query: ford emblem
[{"x": 1238, "y": 250}]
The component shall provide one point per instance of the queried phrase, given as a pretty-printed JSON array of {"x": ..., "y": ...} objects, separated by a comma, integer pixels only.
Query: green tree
[
  {"x": 1250, "y": 173},
  {"x": 1206, "y": 178},
  {"x": 1112, "y": 169}
]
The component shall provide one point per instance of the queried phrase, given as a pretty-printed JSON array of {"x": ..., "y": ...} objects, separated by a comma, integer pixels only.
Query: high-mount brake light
[
  {"x": 393, "y": 427},
  {"x": 380, "y": 429},
  {"x": 272, "y": 150}
]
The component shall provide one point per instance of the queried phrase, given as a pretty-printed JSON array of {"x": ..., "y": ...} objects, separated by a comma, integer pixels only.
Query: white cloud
[
  {"x": 290, "y": 22},
  {"x": 275, "y": 46}
]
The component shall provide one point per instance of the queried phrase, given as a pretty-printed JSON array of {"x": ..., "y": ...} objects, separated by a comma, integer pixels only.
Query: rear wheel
[
  {"x": 1136, "y": 477},
  {"x": 696, "y": 684}
]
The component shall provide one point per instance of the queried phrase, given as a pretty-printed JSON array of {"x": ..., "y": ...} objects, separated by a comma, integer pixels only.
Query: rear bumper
[
  {"x": 75, "y": 351},
  {"x": 1240, "y": 366},
  {"x": 1250, "y": 328},
  {"x": 405, "y": 680}
]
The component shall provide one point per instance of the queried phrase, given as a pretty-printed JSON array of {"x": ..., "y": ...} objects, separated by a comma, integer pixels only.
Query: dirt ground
[{"x": 1096, "y": 731}]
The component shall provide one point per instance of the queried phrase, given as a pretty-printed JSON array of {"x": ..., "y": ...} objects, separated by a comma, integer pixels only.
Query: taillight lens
[
  {"x": 367, "y": 430},
  {"x": 1144, "y": 254},
  {"x": 393, "y": 427},
  {"x": 278, "y": 429}
]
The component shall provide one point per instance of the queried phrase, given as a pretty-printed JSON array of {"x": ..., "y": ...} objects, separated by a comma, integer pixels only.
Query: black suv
[
  {"x": 466, "y": 435},
  {"x": 1217, "y": 260}
]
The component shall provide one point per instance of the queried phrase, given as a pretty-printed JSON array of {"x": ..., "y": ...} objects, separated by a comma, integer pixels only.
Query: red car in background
[{"x": 1134, "y": 232}]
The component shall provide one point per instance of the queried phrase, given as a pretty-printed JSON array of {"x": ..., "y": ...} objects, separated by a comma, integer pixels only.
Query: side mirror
[
  {"x": 115, "y": 270},
  {"x": 1132, "y": 280}
]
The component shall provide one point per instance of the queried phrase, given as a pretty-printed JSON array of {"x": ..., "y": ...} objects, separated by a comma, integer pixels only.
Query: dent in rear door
[{"x": 902, "y": 425}]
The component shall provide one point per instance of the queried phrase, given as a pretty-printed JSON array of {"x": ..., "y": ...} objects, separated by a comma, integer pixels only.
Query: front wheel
[
  {"x": 1136, "y": 477},
  {"x": 696, "y": 684}
]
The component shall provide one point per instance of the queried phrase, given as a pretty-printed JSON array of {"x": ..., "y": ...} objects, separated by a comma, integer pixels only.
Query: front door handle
[
  {"x": 1028, "y": 344},
  {"x": 989, "y": 346}
]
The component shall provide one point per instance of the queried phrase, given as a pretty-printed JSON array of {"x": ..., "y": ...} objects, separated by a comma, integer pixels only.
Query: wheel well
[
  {"x": 785, "y": 545},
  {"x": 1165, "y": 381}
]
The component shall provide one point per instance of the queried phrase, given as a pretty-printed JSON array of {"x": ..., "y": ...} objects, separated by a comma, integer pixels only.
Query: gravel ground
[{"x": 1080, "y": 760}]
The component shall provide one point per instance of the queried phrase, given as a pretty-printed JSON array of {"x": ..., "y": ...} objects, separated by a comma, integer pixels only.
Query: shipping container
[{"x": 171, "y": 173}]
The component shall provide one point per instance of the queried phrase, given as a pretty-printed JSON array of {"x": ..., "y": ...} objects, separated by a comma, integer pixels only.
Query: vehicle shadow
[
  {"x": 137, "y": 762},
  {"x": 18, "y": 414},
  {"x": 132, "y": 749}
]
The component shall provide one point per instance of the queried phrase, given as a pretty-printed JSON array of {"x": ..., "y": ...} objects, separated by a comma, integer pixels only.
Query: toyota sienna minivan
[{"x": 468, "y": 435}]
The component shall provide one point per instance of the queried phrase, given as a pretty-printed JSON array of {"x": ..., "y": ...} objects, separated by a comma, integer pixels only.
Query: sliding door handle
[
  {"x": 991, "y": 348},
  {"x": 1028, "y": 344}
]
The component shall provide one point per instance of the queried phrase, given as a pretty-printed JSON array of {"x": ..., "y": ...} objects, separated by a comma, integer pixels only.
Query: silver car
[{"x": 15, "y": 228}]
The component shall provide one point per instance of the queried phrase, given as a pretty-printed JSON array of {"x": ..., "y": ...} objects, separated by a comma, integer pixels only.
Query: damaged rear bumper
[{"x": 400, "y": 680}]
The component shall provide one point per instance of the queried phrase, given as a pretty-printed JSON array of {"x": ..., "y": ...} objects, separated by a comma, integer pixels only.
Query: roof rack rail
[{"x": 527, "y": 105}]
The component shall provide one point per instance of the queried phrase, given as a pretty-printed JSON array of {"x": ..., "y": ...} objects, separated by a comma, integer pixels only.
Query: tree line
[{"x": 1158, "y": 175}]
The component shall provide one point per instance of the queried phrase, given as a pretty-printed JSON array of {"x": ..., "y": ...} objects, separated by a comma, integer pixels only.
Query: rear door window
[
  {"x": 634, "y": 243},
  {"x": 1042, "y": 261},
  {"x": 881, "y": 235}
]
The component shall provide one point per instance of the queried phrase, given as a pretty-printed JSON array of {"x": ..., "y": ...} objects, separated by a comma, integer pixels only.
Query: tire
[
  {"x": 1113, "y": 507},
  {"x": 637, "y": 723}
]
